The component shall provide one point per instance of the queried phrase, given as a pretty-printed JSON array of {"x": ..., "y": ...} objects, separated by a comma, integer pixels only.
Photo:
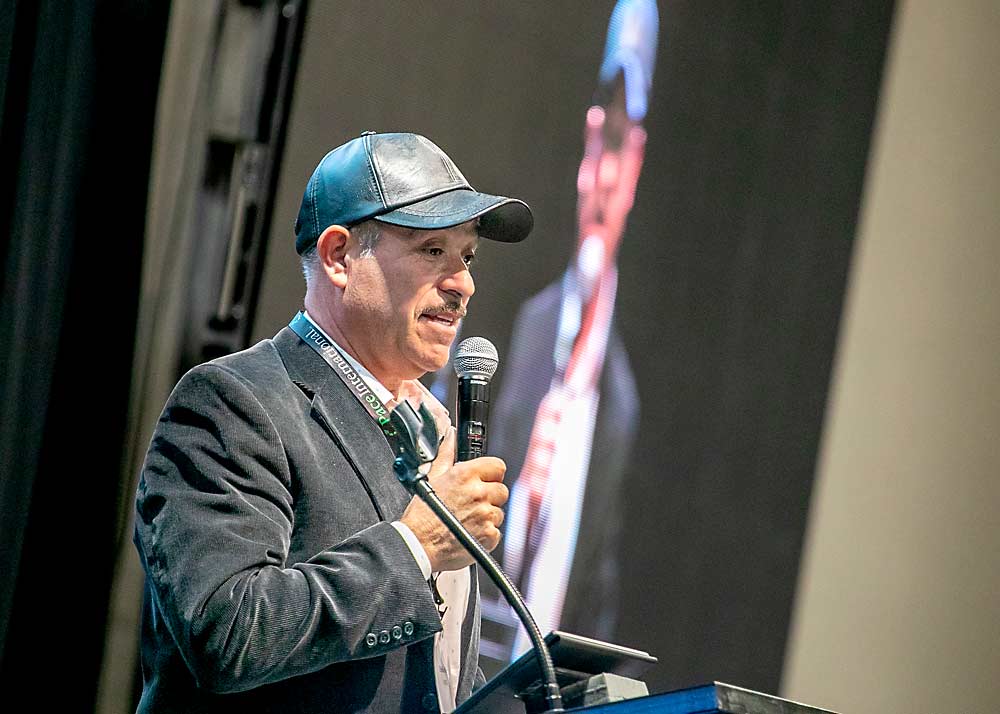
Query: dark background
[
  {"x": 732, "y": 269},
  {"x": 79, "y": 83},
  {"x": 732, "y": 276}
]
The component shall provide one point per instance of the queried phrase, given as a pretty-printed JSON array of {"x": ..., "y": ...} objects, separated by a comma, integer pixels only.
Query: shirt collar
[{"x": 384, "y": 395}]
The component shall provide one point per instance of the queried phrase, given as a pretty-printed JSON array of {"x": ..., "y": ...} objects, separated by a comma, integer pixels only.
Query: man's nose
[{"x": 459, "y": 281}]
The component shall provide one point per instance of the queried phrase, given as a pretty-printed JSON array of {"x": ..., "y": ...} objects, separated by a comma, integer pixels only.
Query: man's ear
[{"x": 331, "y": 247}]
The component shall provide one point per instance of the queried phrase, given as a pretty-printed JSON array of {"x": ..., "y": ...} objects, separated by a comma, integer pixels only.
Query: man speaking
[{"x": 286, "y": 568}]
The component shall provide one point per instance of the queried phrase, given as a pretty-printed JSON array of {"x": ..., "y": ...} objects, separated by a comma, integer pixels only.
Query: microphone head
[{"x": 476, "y": 357}]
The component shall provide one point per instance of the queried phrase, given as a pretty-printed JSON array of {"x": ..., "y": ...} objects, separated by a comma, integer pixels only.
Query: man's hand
[
  {"x": 474, "y": 491},
  {"x": 416, "y": 394}
]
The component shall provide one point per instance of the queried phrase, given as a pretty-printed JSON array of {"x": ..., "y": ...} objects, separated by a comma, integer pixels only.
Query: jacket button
[
  {"x": 371, "y": 639},
  {"x": 407, "y": 628},
  {"x": 397, "y": 633},
  {"x": 430, "y": 702},
  {"x": 383, "y": 637}
]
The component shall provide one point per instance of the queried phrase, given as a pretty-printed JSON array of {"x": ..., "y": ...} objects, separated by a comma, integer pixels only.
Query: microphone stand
[{"x": 416, "y": 441}]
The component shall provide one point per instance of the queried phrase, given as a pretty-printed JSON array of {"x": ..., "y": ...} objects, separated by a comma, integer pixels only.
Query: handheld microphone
[{"x": 475, "y": 362}]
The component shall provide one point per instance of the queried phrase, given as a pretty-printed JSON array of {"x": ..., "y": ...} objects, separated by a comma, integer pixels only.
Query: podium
[
  {"x": 596, "y": 677},
  {"x": 714, "y": 698}
]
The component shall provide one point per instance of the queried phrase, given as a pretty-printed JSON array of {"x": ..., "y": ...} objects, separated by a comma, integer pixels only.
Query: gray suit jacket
[{"x": 274, "y": 580}]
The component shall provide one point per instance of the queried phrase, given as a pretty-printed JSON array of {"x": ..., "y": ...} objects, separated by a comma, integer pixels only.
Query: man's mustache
[{"x": 448, "y": 308}]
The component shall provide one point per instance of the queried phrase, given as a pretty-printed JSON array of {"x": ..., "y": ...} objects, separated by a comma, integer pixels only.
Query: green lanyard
[{"x": 313, "y": 336}]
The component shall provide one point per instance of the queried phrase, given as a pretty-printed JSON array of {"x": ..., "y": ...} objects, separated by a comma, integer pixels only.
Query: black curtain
[{"x": 80, "y": 81}]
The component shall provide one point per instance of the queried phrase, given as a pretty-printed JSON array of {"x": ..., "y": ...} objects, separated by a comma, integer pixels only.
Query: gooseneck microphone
[
  {"x": 475, "y": 362},
  {"x": 416, "y": 441}
]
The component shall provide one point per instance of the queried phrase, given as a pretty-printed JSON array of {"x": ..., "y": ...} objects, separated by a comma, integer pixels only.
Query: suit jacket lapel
[{"x": 347, "y": 422}]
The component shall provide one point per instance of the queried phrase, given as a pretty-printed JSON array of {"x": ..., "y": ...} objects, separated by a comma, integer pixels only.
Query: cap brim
[{"x": 500, "y": 218}]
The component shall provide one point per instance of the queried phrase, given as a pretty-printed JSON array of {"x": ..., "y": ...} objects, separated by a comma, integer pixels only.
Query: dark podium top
[
  {"x": 517, "y": 689},
  {"x": 715, "y": 698}
]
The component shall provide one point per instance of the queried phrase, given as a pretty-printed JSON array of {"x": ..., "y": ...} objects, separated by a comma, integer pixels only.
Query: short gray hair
[{"x": 367, "y": 234}]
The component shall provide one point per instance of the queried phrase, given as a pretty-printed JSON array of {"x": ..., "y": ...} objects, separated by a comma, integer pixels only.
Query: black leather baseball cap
[{"x": 405, "y": 180}]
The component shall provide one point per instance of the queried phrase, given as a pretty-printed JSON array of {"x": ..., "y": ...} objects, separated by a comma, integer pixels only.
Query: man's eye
[
  {"x": 431, "y": 250},
  {"x": 470, "y": 258}
]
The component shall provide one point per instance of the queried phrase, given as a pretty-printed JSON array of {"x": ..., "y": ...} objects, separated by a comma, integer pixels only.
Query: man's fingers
[
  {"x": 489, "y": 468},
  {"x": 447, "y": 447},
  {"x": 414, "y": 392},
  {"x": 446, "y": 454},
  {"x": 489, "y": 538},
  {"x": 497, "y": 494}
]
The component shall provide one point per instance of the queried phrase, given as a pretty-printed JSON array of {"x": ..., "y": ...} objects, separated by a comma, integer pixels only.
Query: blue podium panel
[{"x": 715, "y": 698}]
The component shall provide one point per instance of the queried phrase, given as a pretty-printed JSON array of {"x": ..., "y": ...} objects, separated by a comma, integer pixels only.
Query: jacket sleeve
[{"x": 214, "y": 524}]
